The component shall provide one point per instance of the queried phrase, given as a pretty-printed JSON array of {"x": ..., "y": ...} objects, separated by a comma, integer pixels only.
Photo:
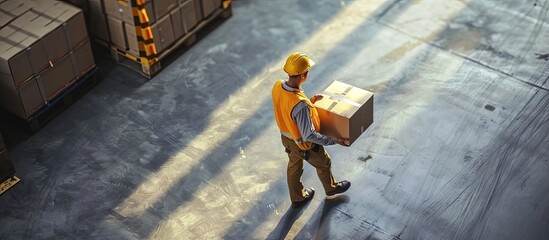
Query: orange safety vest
[{"x": 284, "y": 102}]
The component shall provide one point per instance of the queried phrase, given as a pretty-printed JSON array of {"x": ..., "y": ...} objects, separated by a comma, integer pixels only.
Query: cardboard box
[
  {"x": 37, "y": 38},
  {"x": 177, "y": 23},
  {"x": 20, "y": 56},
  {"x": 76, "y": 29},
  {"x": 198, "y": 10},
  {"x": 209, "y": 6},
  {"x": 52, "y": 21},
  {"x": 345, "y": 111},
  {"x": 131, "y": 37},
  {"x": 48, "y": 15},
  {"x": 163, "y": 33},
  {"x": 55, "y": 44},
  {"x": 34, "y": 24},
  {"x": 24, "y": 101},
  {"x": 26, "y": 32},
  {"x": 117, "y": 32},
  {"x": 15, "y": 8},
  {"x": 65, "y": 67},
  {"x": 6, "y": 167},
  {"x": 72, "y": 20},
  {"x": 55, "y": 79},
  {"x": 35, "y": 63},
  {"x": 5, "y": 19},
  {"x": 164, "y": 7},
  {"x": 183, "y": 18},
  {"x": 188, "y": 15},
  {"x": 121, "y": 10},
  {"x": 11, "y": 10},
  {"x": 83, "y": 59}
]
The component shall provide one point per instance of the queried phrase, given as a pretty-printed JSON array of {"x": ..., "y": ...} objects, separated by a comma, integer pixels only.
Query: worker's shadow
[
  {"x": 319, "y": 227},
  {"x": 286, "y": 222},
  {"x": 319, "y": 223}
]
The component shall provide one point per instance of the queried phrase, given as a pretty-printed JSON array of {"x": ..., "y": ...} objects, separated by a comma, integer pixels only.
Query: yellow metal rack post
[
  {"x": 226, "y": 3},
  {"x": 148, "y": 55},
  {"x": 147, "y": 50}
]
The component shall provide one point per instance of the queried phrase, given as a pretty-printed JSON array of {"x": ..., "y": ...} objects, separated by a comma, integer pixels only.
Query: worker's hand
[
  {"x": 316, "y": 98},
  {"x": 343, "y": 142}
]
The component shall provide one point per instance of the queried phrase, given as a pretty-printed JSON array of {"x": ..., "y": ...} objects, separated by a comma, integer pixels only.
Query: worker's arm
[{"x": 301, "y": 115}]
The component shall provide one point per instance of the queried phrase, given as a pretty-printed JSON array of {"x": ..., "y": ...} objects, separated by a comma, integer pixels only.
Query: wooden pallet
[
  {"x": 8, "y": 183},
  {"x": 54, "y": 107},
  {"x": 171, "y": 53}
]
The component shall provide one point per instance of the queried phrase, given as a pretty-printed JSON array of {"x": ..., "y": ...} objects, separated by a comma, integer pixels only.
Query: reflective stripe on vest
[{"x": 299, "y": 142}]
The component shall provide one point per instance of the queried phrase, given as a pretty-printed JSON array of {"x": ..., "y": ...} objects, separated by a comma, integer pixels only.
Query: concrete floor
[{"x": 459, "y": 147}]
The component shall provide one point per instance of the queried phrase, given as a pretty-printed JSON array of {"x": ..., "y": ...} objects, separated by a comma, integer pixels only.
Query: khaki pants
[{"x": 319, "y": 159}]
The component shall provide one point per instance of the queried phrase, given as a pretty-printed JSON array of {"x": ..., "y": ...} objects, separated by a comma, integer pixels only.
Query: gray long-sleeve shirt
[{"x": 302, "y": 117}]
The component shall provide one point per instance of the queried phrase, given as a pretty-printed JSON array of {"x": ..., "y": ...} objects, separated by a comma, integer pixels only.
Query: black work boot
[
  {"x": 341, "y": 187},
  {"x": 309, "y": 193}
]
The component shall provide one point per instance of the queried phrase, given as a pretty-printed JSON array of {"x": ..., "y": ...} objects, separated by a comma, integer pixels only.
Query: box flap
[
  {"x": 13, "y": 42},
  {"x": 336, "y": 105},
  {"x": 56, "y": 10},
  {"x": 343, "y": 99},
  {"x": 7, "y": 51},
  {"x": 14, "y": 8},
  {"x": 117, "y": 32},
  {"x": 35, "y": 24},
  {"x": 5, "y": 18},
  {"x": 354, "y": 94}
]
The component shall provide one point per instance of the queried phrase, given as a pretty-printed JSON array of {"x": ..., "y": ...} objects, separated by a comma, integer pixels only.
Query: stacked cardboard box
[
  {"x": 6, "y": 168},
  {"x": 45, "y": 48},
  {"x": 113, "y": 22}
]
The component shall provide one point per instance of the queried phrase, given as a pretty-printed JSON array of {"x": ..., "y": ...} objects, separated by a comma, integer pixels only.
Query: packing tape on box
[
  {"x": 40, "y": 14},
  {"x": 339, "y": 97},
  {"x": 37, "y": 76},
  {"x": 71, "y": 49}
]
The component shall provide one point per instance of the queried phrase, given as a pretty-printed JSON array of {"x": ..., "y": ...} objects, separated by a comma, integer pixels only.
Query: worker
[{"x": 299, "y": 124}]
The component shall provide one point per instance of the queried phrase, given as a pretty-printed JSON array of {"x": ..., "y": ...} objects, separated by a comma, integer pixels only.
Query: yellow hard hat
[{"x": 297, "y": 64}]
